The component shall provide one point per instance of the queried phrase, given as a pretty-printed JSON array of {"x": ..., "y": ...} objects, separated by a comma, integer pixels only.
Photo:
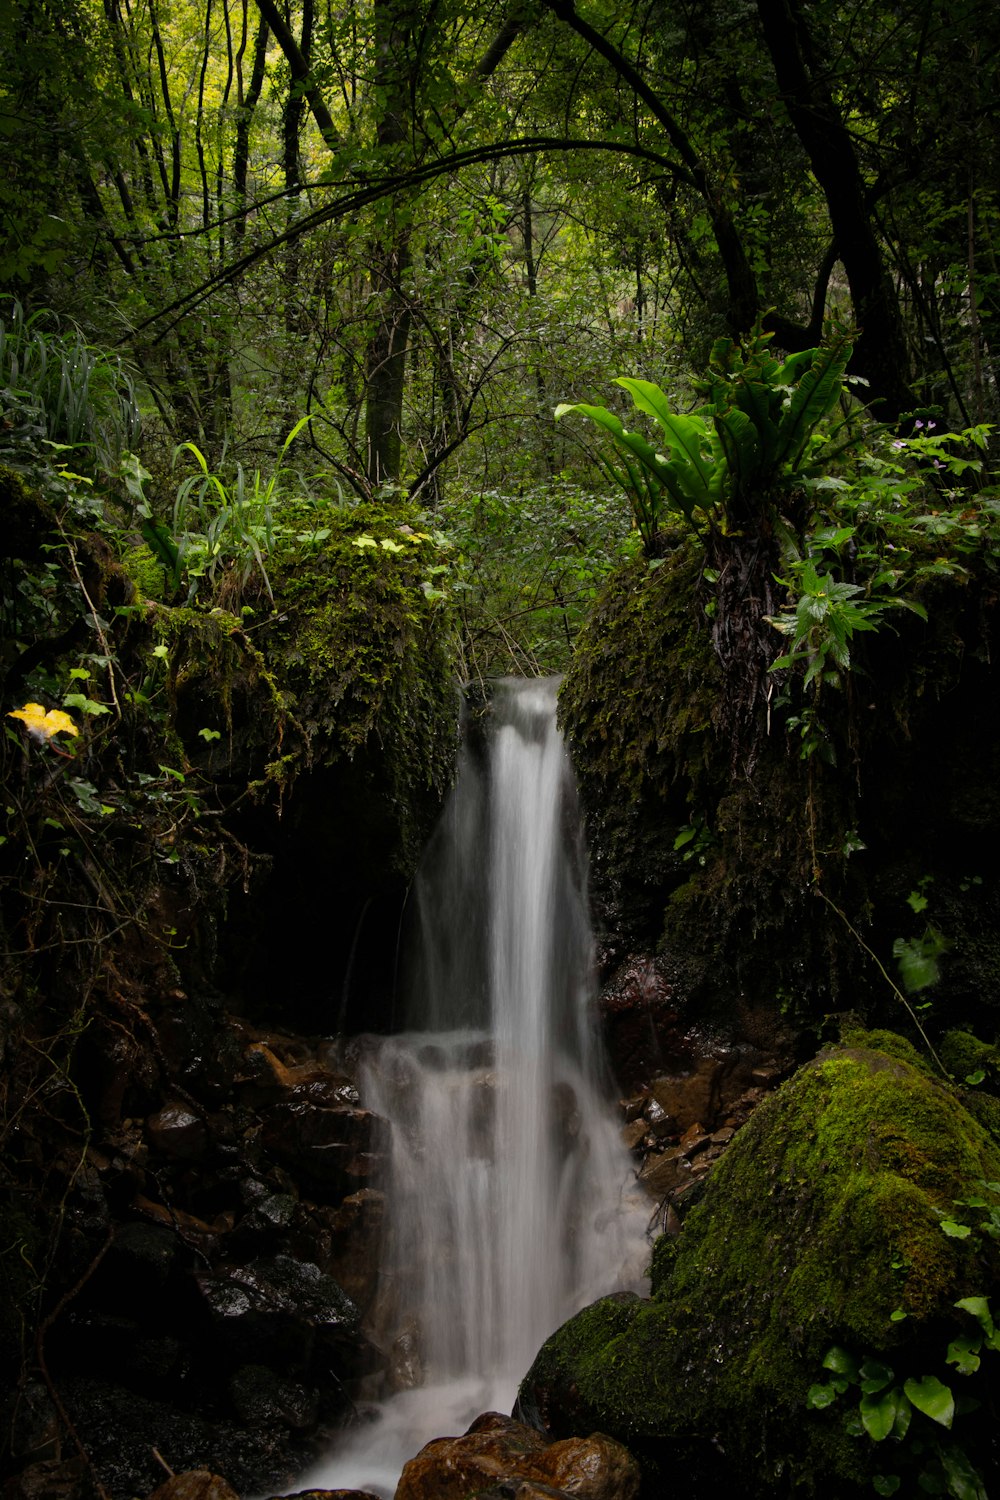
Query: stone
[
  {"x": 820, "y": 1220},
  {"x": 178, "y": 1132},
  {"x": 195, "y": 1484},
  {"x": 260, "y": 1395},
  {"x": 665, "y": 1172},
  {"x": 52, "y": 1479},
  {"x": 336, "y": 1150},
  {"x": 356, "y": 1228},
  {"x": 498, "y": 1450}
]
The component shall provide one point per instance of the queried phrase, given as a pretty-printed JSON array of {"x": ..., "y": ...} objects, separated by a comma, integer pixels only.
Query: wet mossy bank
[
  {"x": 820, "y": 1228},
  {"x": 760, "y": 878},
  {"x": 251, "y": 788},
  {"x": 338, "y": 716}
]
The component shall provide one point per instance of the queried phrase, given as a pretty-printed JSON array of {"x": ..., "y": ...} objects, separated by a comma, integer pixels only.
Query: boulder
[
  {"x": 498, "y": 1451},
  {"x": 820, "y": 1228},
  {"x": 195, "y": 1484}
]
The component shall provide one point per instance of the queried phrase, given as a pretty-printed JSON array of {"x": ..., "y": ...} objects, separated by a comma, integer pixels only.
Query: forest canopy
[{"x": 426, "y": 224}]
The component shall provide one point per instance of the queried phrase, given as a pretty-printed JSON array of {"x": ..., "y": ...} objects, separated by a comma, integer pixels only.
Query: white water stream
[{"x": 510, "y": 1194}]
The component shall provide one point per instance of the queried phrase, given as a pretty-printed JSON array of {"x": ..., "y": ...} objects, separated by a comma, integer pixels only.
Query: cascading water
[{"x": 509, "y": 1186}]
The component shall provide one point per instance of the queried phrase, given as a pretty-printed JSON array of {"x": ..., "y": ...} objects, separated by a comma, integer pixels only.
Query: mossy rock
[
  {"x": 636, "y": 707},
  {"x": 821, "y": 1222}
]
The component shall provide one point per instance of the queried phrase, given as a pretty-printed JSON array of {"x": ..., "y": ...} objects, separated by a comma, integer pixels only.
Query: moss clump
[
  {"x": 637, "y": 707},
  {"x": 366, "y": 655},
  {"x": 821, "y": 1221}
]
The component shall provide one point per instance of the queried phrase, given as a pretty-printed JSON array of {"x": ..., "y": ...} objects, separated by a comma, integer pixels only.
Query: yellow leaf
[{"x": 42, "y": 725}]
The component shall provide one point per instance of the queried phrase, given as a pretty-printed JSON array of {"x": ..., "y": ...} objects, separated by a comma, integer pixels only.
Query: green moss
[
  {"x": 821, "y": 1221},
  {"x": 889, "y": 1042},
  {"x": 964, "y": 1054},
  {"x": 146, "y": 572},
  {"x": 366, "y": 656}
]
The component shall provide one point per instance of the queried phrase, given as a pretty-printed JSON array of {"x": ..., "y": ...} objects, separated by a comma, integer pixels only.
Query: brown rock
[
  {"x": 356, "y": 1240},
  {"x": 497, "y": 1450},
  {"x": 178, "y": 1132},
  {"x": 53, "y": 1479},
  {"x": 665, "y": 1173},
  {"x": 329, "y": 1495},
  {"x": 595, "y": 1468},
  {"x": 634, "y": 1134},
  {"x": 694, "y": 1139},
  {"x": 326, "y": 1148},
  {"x": 195, "y": 1484}
]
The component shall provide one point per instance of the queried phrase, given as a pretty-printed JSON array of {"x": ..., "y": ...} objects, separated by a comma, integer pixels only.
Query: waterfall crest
[{"x": 509, "y": 1192}]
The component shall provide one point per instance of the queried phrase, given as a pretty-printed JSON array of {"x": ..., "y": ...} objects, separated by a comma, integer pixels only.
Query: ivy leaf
[
  {"x": 42, "y": 725},
  {"x": 85, "y": 704},
  {"x": 878, "y": 1414},
  {"x": 963, "y": 1353},
  {"x": 933, "y": 1398},
  {"x": 875, "y": 1376},
  {"x": 963, "y": 1481},
  {"x": 840, "y": 1362},
  {"x": 979, "y": 1308}
]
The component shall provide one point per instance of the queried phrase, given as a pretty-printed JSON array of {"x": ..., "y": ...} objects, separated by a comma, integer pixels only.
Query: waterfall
[{"x": 509, "y": 1191}]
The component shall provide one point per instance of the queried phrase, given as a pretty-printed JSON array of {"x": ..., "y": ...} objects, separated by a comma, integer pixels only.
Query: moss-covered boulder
[
  {"x": 330, "y": 719},
  {"x": 820, "y": 1228},
  {"x": 719, "y": 857}
]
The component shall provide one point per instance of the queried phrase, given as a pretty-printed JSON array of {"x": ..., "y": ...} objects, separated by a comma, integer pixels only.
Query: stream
[{"x": 512, "y": 1199}]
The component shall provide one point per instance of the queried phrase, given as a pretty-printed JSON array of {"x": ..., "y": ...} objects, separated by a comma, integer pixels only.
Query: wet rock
[
  {"x": 329, "y": 1495},
  {"x": 665, "y": 1172},
  {"x": 329, "y": 1150},
  {"x": 275, "y": 1310},
  {"x": 641, "y": 1024},
  {"x": 267, "y": 1079},
  {"x": 356, "y": 1229},
  {"x": 53, "y": 1479},
  {"x": 634, "y": 1134},
  {"x": 702, "y": 1095},
  {"x": 633, "y": 1108},
  {"x": 498, "y": 1451},
  {"x": 121, "y": 1426},
  {"x": 259, "y": 1394},
  {"x": 195, "y": 1484},
  {"x": 657, "y": 1119},
  {"x": 405, "y": 1371},
  {"x": 176, "y": 1131}
]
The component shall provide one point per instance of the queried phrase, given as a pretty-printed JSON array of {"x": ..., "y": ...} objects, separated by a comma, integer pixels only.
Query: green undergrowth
[{"x": 821, "y": 1225}]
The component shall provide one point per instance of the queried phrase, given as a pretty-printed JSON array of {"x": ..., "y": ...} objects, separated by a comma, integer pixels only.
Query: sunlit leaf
[{"x": 42, "y": 724}]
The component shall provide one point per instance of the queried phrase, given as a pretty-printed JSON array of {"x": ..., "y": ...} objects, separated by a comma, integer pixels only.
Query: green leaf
[
  {"x": 885, "y": 1484},
  {"x": 930, "y": 1396},
  {"x": 979, "y": 1308},
  {"x": 963, "y": 1353},
  {"x": 954, "y": 1230},
  {"x": 85, "y": 704},
  {"x": 878, "y": 1413},
  {"x": 964, "y": 1482},
  {"x": 875, "y": 1376},
  {"x": 841, "y": 1362},
  {"x": 820, "y": 1396}
]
